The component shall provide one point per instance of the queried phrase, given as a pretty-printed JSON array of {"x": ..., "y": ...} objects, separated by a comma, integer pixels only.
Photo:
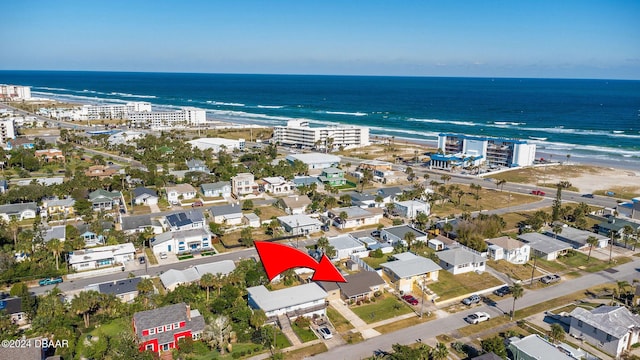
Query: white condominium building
[
  {"x": 494, "y": 152},
  {"x": 298, "y": 133},
  {"x": 161, "y": 120},
  {"x": 15, "y": 92},
  {"x": 113, "y": 111},
  {"x": 7, "y": 130}
]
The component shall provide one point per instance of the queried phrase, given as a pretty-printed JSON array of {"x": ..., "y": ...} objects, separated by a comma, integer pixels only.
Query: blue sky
[{"x": 568, "y": 38}]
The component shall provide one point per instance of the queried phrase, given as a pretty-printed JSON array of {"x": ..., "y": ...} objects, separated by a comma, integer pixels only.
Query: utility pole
[
  {"x": 422, "y": 287},
  {"x": 535, "y": 258}
]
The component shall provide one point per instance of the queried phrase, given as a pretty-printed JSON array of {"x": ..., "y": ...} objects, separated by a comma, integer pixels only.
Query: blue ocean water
[{"x": 589, "y": 118}]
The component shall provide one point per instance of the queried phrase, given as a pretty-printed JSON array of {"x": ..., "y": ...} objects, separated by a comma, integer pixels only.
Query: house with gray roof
[
  {"x": 300, "y": 224},
  {"x": 346, "y": 246},
  {"x": 197, "y": 165},
  {"x": 12, "y": 306},
  {"x": 139, "y": 223},
  {"x": 356, "y": 216},
  {"x": 20, "y": 211},
  {"x": 58, "y": 232},
  {"x": 125, "y": 289},
  {"x": 217, "y": 189},
  {"x": 307, "y": 181},
  {"x": 543, "y": 246},
  {"x": 578, "y": 238},
  {"x": 301, "y": 300},
  {"x": 160, "y": 329},
  {"x": 227, "y": 214},
  {"x": 102, "y": 200},
  {"x": 612, "y": 329},
  {"x": 396, "y": 234},
  {"x": 181, "y": 241},
  {"x": 359, "y": 286},
  {"x": 58, "y": 206},
  {"x": 184, "y": 220},
  {"x": 408, "y": 268},
  {"x": 173, "y": 278},
  {"x": 461, "y": 260},
  {"x": 294, "y": 205},
  {"x": 145, "y": 196},
  {"x": 364, "y": 199},
  {"x": 535, "y": 347}
]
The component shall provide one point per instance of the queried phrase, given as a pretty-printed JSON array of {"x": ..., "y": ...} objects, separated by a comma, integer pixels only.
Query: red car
[
  {"x": 538, "y": 192},
  {"x": 410, "y": 299}
]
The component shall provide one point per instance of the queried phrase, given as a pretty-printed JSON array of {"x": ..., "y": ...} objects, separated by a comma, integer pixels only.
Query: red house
[{"x": 160, "y": 329}]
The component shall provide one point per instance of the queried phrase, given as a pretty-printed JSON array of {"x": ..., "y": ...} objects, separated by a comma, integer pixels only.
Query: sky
[{"x": 544, "y": 38}]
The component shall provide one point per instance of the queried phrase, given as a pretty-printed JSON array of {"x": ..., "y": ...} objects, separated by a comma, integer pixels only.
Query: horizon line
[{"x": 318, "y": 74}]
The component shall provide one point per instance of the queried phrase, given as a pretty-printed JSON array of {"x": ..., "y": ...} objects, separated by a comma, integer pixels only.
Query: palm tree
[
  {"x": 557, "y": 333},
  {"x": 343, "y": 218},
  {"x": 207, "y": 281},
  {"x": 627, "y": 231},
  {"x": 476, "y": 196},
  {"x": 257, "y": 319},
  {"x": 56, "y": 247},
  {"x": 517, "y": 291},
  {"x": 145, "y": 288},
  {"x": 591, "y": 241},
  {"x": 409, "y": 237},
  {"x": 219, "y": 281},
  {"x": 440, "y": 352},
  {"x": 14, "y": 226},
  {"x": 622, "y": 285},
  {"x": 216, "y": 332},
  {"x": 557, "y": 229},
  {"x": 447, "y": 228},
  {"x": 445, "y": 178},
  {"x": 501, "y": 183},
  {"x": 84, "y": 304}
]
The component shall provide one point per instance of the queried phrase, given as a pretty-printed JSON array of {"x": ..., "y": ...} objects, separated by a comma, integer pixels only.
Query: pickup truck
[
  {"x": 50, "y": 281},
  {"x": 548, "y": 279},
  {"x": 473, "y": 299}
]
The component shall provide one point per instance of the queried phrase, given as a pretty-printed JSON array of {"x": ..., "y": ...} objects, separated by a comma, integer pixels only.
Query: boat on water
[
  {"x": 618, "y": 131},
  {"x": 537, "y": 138}
]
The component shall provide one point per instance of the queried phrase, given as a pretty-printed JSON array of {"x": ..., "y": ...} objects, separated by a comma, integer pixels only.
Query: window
[
  {"x": 167, "y": 327},
  {"x": 579, "y": 323},
  {"x": 176, "y": 325},
  {"x": 149, "y": 347},
  {"x": 595, "y": 331},
  {"x": 608, "y": 337},
  {"x": 152, "y": 331},
  {"x": 159, "y": 329}
]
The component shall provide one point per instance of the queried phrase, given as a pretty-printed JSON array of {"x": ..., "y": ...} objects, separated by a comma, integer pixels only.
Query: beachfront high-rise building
[
  {"x": 113, "y": 111},
  {"x": 460, "y": 150},
  {"x": 7, "y": 130},
  {"x": 298, "y": 133},
  {"x": 14, "y": 92},
  {"x": 163, "y": 120}
]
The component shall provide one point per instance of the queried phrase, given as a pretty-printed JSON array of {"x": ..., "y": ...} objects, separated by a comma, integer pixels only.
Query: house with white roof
[
  {"x": 506, "y": 248},
  {"x": 411, "y": 208},
  {"x": 408, "y": 268},
  {"x": 356, "y": 216},
  {"x": 300, "y": 224},
  {"x": 543, "y": 246},
  {"x": 294, "y": 205},
  {"x": 612, "y": 329},
  {"x": 181, "y": 241},
  {"x": 124, "y": 137},
  {"x": 277, "y": 185},
  {"x": 315, "y": 160},
  {"x": 578, "y": 238},
  {"x": 180, "y": 192},
  {"x": 227, "y": 214},
  {"x": 217, "y": 189},
  {"x": 461, "y": 260},
  {"x": 301, "y": 300},
  {"x": 244, "y": 184},
  {"x": 535, "y": 347},
  {"x": 173, "y": 278},
  {"x": 347, "y": 245},
  {"x": 94, "y": 258},
  {"x": 396, "y": 234},
  {"x": 251, "y": 219}
]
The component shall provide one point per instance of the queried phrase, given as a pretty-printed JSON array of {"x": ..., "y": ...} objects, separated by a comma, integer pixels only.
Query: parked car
[
  {"x": 163, "y": 255},
  {"x": 410, "y": 299},
  {"x": 473, "y": 299},
  {"x": 50, "y": 281},
  {"x": 538, "y": 192},
  {"x": 478, "y": 317},
  {"x": 505, "y": 290},
  {"x": 589, "y": 196},
  {"x": 197, "y": 204},
  {"x": 375, "y": 233},
  {"x": 142, "y": 260},
  {"x": 325, "y": 333},
  {"x": 548, "y": 279}
]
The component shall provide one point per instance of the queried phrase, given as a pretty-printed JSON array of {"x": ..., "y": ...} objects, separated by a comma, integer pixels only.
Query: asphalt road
[{"x": 431, "y": 329}]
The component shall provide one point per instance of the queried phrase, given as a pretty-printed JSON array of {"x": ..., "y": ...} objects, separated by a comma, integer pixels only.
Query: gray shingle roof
[
  {"x": 214, "y": 186},
  {"x": 13, "y": 209},
  {"x": 459, "y": 256},
  {"x": 225, "y": 210},
  {"x": 55, "y": 232},
  {"x": 409, "y": 265},
  {"x": 575, "y": 235},
  {"x": 613, "y": 320},
  {"x": 136, "y": 222},
  {"x": 400, "y": 230},
  {"x": 185, "y": 218},
  {"x": 167, "y": 315},
  {"x": 144, "y": 191},
  {"x": 120, "y": 287},
  {"x": 360, "y": 283}
]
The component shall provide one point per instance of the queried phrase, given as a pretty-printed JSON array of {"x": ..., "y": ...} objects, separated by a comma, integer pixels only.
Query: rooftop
[
  {"x": 345, "y": 242},
  {"x": 408, "y": 265},
  {"x": 119, "y": 287},
  {"x": 538, "y": 348},
  {"x": 506, "y": 242},
  {"x": 314, "y": 158},
  {"x": 355, "y": 212},
  {"x": 287, "y": 297},
  {"x": 543, "y": 243},
  {"x": 401, "y": 230},
  {"x": 299, "y": 220},
  {"x": 225, "y": 209},
  {"x": 460, "y": 256},
  {"x": 144, "y": 191},
  {"x": 613, "y": 320}
]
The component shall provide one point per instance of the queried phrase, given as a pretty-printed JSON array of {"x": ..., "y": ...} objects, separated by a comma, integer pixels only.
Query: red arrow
[{"x": 277, "y": 258}]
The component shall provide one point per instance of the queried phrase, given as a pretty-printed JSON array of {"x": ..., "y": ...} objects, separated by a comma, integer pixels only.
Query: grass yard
[
  {"x": 401, "y": 324},
  {"x": 268, "y": 212},
  {"x": 352, "y": 337},
  {"x": 476, "y": 328},
  {"x": 450, "y": 286},
  {"x": 339, "y": 322},
  {"x": 536, "y": 175},
  {"x": 518, "y": 272},
  {"x": 375, "y": 262},
  {"x": 490, "y": 199},
  {"x": 151, "y": 257},
  {"x": 111, "y": 329},
  {"x": 579, "y": 261},
  {"x": 385, "y": 307},
  {"x": 622, "y": 192},
  {"x": 304, "y": 334},
  {"x": 305, "y": 352},
  {"x": 233, "y": 238}
]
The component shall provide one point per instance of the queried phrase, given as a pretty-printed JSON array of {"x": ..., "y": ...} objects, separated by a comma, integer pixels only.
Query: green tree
[
  {"x": 367, "y": 177},
  {"x": 440, "y": 352},
  {"x": 557, "y": 333},
  {"x": 207, "y": 281},
  {"x": 84, "y": 304},
  {"x": 145, "y": 289},
  {"x": 496, "y": 345},
  {"x": 56, "y": 247},
  {"x": 409, "y": 237},
  {"x": 258, "y": 318},
  {"x": 216, "y": 333},
  {"x": 343, "y": 218},
  {"x": 345, "y": 200},
  {"x": 247, "y": 205},
  {"x": 557, "y": 229},
  {"x": 591, "y": 241},
  {"x": 246, "y": 236},
  {"x": 516, "y": 291}
]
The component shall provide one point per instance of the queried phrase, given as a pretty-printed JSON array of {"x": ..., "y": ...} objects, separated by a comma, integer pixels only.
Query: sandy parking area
[{"x": 603, "y": 179}]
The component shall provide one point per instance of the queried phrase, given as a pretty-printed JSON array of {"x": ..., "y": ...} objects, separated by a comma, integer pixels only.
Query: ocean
[{"x": 595, "y": 120}]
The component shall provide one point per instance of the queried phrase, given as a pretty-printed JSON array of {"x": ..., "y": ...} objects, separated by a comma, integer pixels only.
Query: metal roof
[
  {"x": 287, "y": 297},
  {"x": 299, "y": 220},
  {"x": 400, "y": 230},
  {"x": 538, "y": 348},
  {"x": 409, "y": 265},
  {"x": 344, "y": 242},
  {"x": 613, "y": 320},
  {"x": 460, "y": 256},
  {"x": 543, "y": 243}
]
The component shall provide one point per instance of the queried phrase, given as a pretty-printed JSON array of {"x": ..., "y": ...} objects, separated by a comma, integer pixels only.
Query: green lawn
[
  {"x": 450, "y": 286},
  {"x": 518, "y": 272},
  {"x": 305, "y": 334},
  {"x": 385, "y": 307},
  {"x": 579, "y": 260},
  {"x": 111, "y": 329},
  {"x": 339, "y": 322},
  {"x": 375, "y": 262}
]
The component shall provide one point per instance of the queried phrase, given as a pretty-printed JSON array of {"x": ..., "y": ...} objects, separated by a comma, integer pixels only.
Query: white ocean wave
[
  {"x": 80, "y": 98},
  {"x": 345, "y": 113},
  {"x": 270, "y": 106},
  {"x": 438, "y": 121},
  {"x": 510, "y": 123},
  {"x": 133, "y": 95},
  {"x": 220, "y": 103},
  {"x": 50, "y": 88}
]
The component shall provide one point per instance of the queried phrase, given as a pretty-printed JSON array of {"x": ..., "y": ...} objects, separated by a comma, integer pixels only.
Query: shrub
[
  {"x": 378, "y": 293},
  {"x": 236, "y": 355},
  {"x": 458, "y": 346}
]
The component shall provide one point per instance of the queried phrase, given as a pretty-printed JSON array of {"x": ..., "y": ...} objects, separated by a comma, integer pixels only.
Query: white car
[
  {"x": 163, "y": 255},
  {"x": 325, "y": 332},
  {"x": 477, "y": 317}
]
